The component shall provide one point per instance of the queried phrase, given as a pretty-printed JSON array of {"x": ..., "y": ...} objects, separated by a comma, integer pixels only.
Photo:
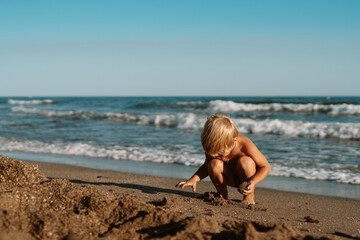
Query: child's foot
[{"x": 249, "y": 199}]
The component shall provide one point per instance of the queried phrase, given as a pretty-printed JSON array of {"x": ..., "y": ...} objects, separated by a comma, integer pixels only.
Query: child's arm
[
  {"x": 262, "y": 164},
  {"x": 200, "y": 174}
]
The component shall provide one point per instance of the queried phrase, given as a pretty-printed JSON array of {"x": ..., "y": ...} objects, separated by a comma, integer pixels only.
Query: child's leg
[
  {"x": 220, "y": 175},
  {"x": 246, "y": 168}
]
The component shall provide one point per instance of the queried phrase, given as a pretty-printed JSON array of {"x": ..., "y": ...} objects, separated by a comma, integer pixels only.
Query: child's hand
[
  {"x": 189, "y": 182},
  {"x": 249, "y": 189}
]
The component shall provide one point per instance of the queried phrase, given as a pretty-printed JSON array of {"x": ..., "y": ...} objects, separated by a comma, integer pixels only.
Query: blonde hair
[{"x": 218, "y": 134}]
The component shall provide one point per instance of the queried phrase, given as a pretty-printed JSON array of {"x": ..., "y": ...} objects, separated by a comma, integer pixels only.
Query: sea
[{"x": 312, "y": 143}]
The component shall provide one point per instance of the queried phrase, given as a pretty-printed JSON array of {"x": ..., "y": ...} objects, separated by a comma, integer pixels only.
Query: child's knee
[
  {"x": 246, "y": 163},
  {"x": 215, "y": 166}
]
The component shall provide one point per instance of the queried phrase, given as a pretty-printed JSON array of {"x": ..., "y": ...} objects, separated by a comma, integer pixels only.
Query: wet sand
[{"x": 57, "y": 201}]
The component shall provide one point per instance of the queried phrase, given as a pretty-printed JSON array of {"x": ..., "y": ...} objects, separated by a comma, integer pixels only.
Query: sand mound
[
  {"x": 214, "y": 198},
  {"x": 17, "y": 173},
  {"x": 33, "y": 207}
]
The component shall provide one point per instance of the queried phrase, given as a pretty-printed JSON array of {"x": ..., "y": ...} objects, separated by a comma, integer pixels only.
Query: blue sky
[{"x": 172, "y": 48}]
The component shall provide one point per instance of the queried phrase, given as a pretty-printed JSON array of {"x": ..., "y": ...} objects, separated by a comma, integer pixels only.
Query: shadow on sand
[{"x": 143, "y": 188}]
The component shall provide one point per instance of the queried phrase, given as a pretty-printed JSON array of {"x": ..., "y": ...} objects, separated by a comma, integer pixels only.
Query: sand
[{"x": 53, "y": 201}]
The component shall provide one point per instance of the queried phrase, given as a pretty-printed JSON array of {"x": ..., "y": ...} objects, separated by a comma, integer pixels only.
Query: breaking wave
[
  {"x": 300, "y": 129},
  {"x": 159, "y": 155},
  {"x": 189, "y": 157},
  {"x": 334, "y": 109},
  {"x": 181, "y": 120},
  {"x": 30, "y": 102},
  {"x": 338, "y": 175},
  {"x": 190, "y": 121}
]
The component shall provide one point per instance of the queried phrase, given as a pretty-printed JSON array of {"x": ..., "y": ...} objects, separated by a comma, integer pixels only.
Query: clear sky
[{"x": 183, "y": 47}]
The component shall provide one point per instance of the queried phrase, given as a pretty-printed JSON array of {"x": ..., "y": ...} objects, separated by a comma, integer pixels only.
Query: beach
[
  {"x": 106, "y": 107},
  {"x": 54, "y": 201}
]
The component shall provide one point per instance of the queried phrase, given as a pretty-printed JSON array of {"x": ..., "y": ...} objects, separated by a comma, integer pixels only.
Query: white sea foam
[
  {"x": 45, "y": 113},
  {"x": 187, "y": 121},
  {"x": 181, "y": 120},
  {"x": 341, "y": 176},
  {"x": 334, "y": 109},
  {"x": 190, "y": 121},
  {"x": 268, "y": 126},
  {"x": 30, "y": 102},
  {"x": 299, "y": 128},
  {"x": 185, "y": 157},
  {"x": 78, "y": 114}
]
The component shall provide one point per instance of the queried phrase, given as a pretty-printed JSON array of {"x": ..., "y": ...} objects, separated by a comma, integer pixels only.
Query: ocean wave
[
  {"x": 333, "y": 109},
  {"x": 268, "y": 127},
  {"x": 159, "y": 155},
  {"x": 299, "y": 128},
  {"x": 179, "y": 105},
  {"x": 78, "y": 114},
  {"x": 340, "y": 175},
  {"x": 190, "y": 121},
  {"x": 30, "y": 102},
  {"x": 192, "y": 104},
  {"x": 184, "y": 155},
  {"x": 181, "y": 120}
]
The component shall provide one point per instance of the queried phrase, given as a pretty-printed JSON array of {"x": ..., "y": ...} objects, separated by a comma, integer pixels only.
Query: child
[{"x": 230, "y": 159}]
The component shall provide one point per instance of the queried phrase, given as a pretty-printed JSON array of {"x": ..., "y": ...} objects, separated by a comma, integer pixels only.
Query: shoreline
[
  {"x": 175, "y": 171},
  {"x": 275, "y": 212},
  {"x": 71, "y": 172}
]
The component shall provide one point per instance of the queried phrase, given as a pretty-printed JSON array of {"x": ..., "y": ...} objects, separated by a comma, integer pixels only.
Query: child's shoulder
[
  {"x": 242, "y": 138},
  {"x": 244, "y": 141}
]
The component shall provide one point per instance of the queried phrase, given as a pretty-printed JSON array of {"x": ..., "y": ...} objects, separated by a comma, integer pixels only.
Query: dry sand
[{"x": 53, "y": 201}]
